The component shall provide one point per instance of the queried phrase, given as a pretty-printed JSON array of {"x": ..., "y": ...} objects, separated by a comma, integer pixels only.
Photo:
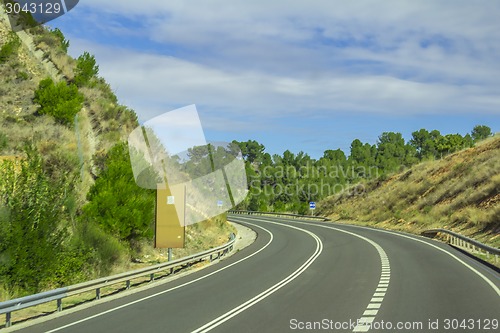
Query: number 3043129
[
  {"x": 471, "y": 324},
  {"x": 33, "y": 8}
]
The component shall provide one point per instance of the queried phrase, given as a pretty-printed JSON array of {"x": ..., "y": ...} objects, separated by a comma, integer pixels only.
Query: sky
[{"x": 299, "y": 75}]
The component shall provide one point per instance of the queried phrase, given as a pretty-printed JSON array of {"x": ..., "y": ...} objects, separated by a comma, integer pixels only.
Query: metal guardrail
[
  {"x": 453, "y": 238},
  {"x": 458, "y": 240},
  {"x": 250, "y": 212},
  {"x": 10, "y": 306}
]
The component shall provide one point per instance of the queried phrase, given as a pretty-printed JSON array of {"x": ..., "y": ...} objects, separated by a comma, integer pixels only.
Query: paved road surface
[{"x": 303, "y": 275}]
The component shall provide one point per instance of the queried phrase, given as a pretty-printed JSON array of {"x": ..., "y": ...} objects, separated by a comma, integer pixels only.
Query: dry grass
[
  {"x": 199, "y": 237},
  {"x": 86, "y": 143},
  {"x": 460, "y": 192}
]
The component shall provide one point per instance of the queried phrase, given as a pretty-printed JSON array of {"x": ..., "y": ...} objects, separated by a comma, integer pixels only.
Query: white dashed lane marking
[
  {"x": 377, "y": 298},
  {"x": 385, "y": 276}
]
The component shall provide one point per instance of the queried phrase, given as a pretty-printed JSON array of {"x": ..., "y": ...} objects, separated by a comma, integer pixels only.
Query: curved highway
[{"x": 311, "y": 276}]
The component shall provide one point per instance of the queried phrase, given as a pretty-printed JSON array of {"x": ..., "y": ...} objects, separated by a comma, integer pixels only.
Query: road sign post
[{"x": 312, "y": 207}]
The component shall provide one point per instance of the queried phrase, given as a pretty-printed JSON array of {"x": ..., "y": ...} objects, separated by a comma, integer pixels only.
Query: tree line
[{"x": 289, "y": 181}]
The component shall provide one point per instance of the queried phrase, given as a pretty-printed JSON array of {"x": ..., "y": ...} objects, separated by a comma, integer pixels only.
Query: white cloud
[
  {"x": 241, "y": 60},
  {"x": 152, "y": 84}
]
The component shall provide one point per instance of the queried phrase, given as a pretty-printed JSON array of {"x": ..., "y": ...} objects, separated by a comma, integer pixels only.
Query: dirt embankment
[{"x": 460, "y": 192}]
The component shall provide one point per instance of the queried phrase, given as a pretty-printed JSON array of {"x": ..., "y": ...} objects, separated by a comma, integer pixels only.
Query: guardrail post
[
  {"x": 211, "y": 258},
  {"x": 59, "y": 305},
  {"x": 7, "y": 320},
  {"x": 127, "y": 284},
  {"x": 151, "y": 277},
  {"x": 170, "y": 258},
  {"x": 98, "y": 293}
]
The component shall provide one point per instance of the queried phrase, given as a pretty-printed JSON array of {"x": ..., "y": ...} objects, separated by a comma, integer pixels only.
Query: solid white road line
[
  {"x": 242, "y": 307},
  {"x": 171, "y": 289},
  {"x": 482, "y": 276}
]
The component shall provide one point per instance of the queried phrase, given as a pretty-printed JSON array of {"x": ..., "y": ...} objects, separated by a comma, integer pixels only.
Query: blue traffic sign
[{"x": 312, "y": 205}]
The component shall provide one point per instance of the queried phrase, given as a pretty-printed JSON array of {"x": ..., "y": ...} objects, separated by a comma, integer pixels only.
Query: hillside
[
  {"x": 460, "y": 192},
  {"x": 63, "y": 159}
]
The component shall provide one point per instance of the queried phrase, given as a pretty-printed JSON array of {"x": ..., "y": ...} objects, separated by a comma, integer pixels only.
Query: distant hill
[{"x": 460, "y": 192}]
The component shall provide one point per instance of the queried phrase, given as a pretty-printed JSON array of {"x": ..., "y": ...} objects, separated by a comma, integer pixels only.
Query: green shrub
[
  {"x": 23, "y": 76},
  {"x": 73, "y": 266},
  {"x": 86, "y": 69},
  {"x": 106, "y": 251},
  {"x": 116, "y": 203},
  {"x": 9, "y": 48},
  {"x": 59, "y": 100},
  {"x": 3, "y": 141},
  {"x": 30, "y": 219},
  {"x": 60, "y": 36}
]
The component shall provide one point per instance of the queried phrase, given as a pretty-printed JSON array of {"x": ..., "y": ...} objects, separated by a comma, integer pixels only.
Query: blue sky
[{"x": 299, "y": 75}]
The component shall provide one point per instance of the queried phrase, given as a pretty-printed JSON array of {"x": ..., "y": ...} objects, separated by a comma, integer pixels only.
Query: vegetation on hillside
[
  {"x": 460, "y": 192},
  {"x": 69, "y": 207},
  {"x": 9, "y": 48},
  {"x": 289, "y": 181},
  {"x": 86, "y": 69},
  {"x": 34, "y": 210},
  {"x": 59, "y": 100},
  {"x": 116, "y": 203}
]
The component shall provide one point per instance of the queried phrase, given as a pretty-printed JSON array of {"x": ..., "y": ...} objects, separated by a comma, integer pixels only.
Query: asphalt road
[{"x": 311, "y": 276}]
